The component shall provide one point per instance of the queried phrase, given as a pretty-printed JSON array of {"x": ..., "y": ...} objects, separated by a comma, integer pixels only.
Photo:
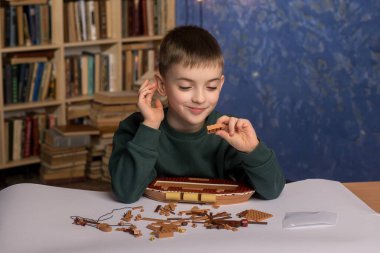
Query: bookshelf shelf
[
  {"x": 27, "y": 106},
  {"x": 23, "y": 162},
  {"x": 143, "y": 38},
  {"x": 90, "y": 43},
  {"x": 28, "y": 49},
  {"x": 79, "y": 99},
  {"x": 107, "y": 38}
]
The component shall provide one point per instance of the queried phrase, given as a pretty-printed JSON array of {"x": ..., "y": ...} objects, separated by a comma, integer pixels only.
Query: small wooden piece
[
  {"x": 127, "y": 216},
  {"x": 131, "y": 230},
  {"x": 214, "y": 128},
  {"x": 255, "y": 215},
  {"x": 104, "y": 227}
]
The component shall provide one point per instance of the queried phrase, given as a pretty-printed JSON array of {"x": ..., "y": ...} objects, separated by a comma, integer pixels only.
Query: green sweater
[{"x": 140, "y": 154}]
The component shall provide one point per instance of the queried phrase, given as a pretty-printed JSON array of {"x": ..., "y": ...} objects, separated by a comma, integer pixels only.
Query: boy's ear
[
  {"x": 221, "y": 81},
  {"x": 160, "y": 85}
]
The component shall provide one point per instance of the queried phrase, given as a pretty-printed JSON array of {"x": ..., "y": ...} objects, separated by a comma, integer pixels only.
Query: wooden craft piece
[
  {"x": 255, "y": 215},
  {"x": 104, "y": 227},
  {"x": 127, "y": 216},
  {"x": 213, "y": 128},
  {"x": 198, "y": 190}
]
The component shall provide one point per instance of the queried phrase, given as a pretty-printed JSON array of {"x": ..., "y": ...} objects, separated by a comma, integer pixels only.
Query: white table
[{"x": 36, "y": 218}]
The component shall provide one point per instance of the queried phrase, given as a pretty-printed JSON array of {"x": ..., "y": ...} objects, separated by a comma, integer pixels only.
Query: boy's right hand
[{"x": 153, "y": 115}]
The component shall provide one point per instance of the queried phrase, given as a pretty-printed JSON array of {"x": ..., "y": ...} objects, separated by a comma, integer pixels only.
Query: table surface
[
  {"x": 368, "y": 192},
  {"x": 40, "y": 217}
]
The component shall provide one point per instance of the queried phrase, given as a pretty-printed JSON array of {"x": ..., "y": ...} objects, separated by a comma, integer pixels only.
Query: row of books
[
  {"x": 26, "y": 25},
  {"x": 89, "y": 73},
  {"x": 25, "y": 133},
  {"x": 87, "y": 20},
  {"x": 28, "y": 82},
  {"x": 143, "y": 17},
  {"x": 140, "y": 63}
]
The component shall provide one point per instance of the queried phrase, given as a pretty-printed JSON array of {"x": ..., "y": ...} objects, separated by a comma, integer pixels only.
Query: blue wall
[{"x": 307, "y": 75}]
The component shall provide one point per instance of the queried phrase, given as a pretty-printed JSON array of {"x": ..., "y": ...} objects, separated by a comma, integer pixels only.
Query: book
[
  {"x": 59, "y": 150},
  {"x": 74, "y": 130},
  {"x": 17, "y": 139},
  {"x": 78, "y": 110},
  {"x": 114, "y": 108},
  {"x": 71, "y": 173},
  {"x": 63, "y": 158},
  {"x": 116, "y": 97},
  {"x": 27, "y": 145},
  {"x": 53, "y": 138},
  {"x": 68, "y": 164}
]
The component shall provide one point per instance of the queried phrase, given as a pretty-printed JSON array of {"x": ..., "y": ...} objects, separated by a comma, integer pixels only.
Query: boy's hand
[
  {"x": 153, "y": 115},
  {"x": 239, "y": 133}
]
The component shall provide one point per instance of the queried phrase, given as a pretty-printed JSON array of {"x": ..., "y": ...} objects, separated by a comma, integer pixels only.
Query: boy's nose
[{"x": 198, "y": 97}]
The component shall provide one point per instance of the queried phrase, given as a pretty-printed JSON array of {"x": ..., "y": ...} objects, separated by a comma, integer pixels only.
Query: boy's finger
[
  {"x": 223, "y": 120},
  {"x": 142, "y": 87},
  {"x": 231, "y": 125},
  {"x": 240, "y": 124},
  {"x": 223, "y": 134},
  {"x": 158, "y": 104}
]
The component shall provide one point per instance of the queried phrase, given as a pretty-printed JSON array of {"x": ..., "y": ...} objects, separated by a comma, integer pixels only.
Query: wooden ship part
[
  {"x": 198, "y": 190},
  {"x": 214, "y": 128}
]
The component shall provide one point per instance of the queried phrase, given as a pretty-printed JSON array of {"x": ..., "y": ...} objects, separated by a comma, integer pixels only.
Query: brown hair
[{"x": 191, "y": 46}]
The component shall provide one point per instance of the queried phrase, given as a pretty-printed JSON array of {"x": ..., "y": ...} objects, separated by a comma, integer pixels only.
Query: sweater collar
[{"x": 181, "y": 135}]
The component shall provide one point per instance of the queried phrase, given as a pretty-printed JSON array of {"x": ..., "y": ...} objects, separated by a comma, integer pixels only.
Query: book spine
[
  {"x": 35, "y": 140},
  {"x": 27, "y": 136},
  {"x": 13, "y": 26},
  {"x": 10, "y": 143},
  {"x": 103, "y": 19},
  {"x": 15, "y": 84},
  {"x": 21, "y": 74},
  {"x": 17, "y": 138},
  {"x": 8, "y": 84},
  {"x": 37, "y": 84}
]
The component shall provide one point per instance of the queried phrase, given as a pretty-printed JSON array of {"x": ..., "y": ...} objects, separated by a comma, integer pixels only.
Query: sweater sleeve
[
  {"x": 134, "y": 155},
  {"x": 261, "y": 169}
]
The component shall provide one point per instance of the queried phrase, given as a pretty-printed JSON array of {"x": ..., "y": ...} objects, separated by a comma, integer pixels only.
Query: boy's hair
[{"x": 190, "y": 46}]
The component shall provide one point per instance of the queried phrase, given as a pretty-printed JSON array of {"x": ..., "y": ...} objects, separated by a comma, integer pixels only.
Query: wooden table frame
[{"x": 369, "y": 192}]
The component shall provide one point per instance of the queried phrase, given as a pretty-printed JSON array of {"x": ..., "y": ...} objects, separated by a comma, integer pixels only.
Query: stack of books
[
  {"x": 105, "y": 160},
  {"x": 64, "y": 153},
  {"x": 94, "y": 160},
  {"x": 109, "y": 108}
]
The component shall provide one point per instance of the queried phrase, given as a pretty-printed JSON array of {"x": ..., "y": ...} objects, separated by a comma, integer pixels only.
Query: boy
[{"x": 173, "y": 141}]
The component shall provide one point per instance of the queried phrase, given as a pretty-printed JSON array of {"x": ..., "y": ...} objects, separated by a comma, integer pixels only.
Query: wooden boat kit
[{"x": 198, "y": 190}]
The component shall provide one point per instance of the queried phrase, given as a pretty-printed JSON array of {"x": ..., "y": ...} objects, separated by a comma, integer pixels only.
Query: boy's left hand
[{"x": 239, "y": 133}]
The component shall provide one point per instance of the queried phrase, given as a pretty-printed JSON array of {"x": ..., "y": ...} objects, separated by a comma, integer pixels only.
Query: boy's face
[{"x": 192, "y": 95}]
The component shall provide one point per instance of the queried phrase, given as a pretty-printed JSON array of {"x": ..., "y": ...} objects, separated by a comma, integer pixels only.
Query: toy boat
[{"x": 198, "y": 190}]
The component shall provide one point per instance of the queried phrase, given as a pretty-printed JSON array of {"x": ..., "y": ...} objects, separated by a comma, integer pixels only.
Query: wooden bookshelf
[{"x": 112, "y": 44}]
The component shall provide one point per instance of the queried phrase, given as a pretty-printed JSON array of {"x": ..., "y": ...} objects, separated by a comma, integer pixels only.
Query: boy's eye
[
  {"x": 212, "y": 88},
  {"x": 184, "y": 87}
]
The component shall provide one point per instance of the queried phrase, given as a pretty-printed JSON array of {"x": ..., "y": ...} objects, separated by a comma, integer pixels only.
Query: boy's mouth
[{"x": 196, "y": 110}]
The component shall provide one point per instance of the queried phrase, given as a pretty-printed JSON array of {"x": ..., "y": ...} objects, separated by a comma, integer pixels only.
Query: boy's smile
[{"x": 192, "y": 95}]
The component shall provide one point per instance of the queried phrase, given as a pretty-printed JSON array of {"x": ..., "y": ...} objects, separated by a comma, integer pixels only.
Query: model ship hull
[{"x": 198, "y": 190}]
